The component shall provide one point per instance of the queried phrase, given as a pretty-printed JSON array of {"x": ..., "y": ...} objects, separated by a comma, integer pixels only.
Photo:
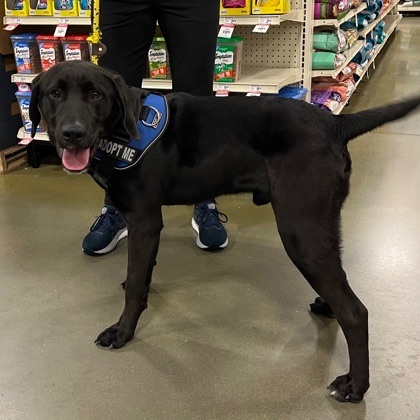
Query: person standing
[{"x": 190, "y": 30}]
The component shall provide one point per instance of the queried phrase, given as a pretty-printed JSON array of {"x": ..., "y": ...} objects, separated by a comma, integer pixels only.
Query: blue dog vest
[{"x": 121, "y": 155}]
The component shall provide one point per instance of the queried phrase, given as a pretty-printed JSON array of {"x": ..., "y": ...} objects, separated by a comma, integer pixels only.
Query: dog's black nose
[{"x": 75, "y": 132}]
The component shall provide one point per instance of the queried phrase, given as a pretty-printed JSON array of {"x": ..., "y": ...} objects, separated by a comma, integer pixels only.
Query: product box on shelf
[
  {"x": 50, "y": 50},
  {"x": 24, "y": 99},
  {"x": 235, "y": 7},
  {"x": 75, "y": 47},
  {"x": 270, "y": 7},
  {"x": 227, "y": 65},
  {"x": 84, "y": 8},
  {"x": 158, "y": 59},
  {"x": 25, "y": 49},
  {"x": 66, "y": 8},
  {"x": 16, "y": 8},
  {"x": 40, "y": 7}
]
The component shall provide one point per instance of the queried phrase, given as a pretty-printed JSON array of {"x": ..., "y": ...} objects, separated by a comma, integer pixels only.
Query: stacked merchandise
[
  {"x": 330, "y": 48},
  {"x": 61, "y": 8},
  {"x": 332, "y": 9},
  {"x": 253, "y": 7},
  {"x": 35, "y": 53}
]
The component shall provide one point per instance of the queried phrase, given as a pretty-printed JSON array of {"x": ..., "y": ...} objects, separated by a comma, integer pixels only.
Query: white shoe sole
[
  {"x": 120, "y": 235},
  {"x": 200, "y": 244}
]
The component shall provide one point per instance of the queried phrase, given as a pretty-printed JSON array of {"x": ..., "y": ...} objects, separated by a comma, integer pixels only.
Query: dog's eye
[
  {"x": 95, "y": 94},
  {"x": 55, "y": 94}
]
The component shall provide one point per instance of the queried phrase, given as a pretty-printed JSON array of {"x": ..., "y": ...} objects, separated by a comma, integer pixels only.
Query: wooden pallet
[{"x": 12, "y": 158}]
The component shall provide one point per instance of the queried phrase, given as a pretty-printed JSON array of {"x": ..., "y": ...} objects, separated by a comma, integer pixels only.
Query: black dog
[{"x": 285, "y": 152}]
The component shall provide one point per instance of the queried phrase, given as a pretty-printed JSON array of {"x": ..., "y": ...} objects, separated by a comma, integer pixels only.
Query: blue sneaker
[
  {"x": 207, "y": 222},
  {"x": 107, "y": 230}
]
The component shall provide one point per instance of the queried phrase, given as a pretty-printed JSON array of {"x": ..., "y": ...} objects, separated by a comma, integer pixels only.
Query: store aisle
[{"x": 226, "y": 335}]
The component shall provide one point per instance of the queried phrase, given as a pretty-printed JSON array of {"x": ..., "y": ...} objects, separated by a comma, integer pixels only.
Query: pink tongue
[{"x": 75, "y": 159}]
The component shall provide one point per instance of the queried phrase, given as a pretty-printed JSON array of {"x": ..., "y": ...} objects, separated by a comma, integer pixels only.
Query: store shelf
[
  {"x": 338, "y": 22},
  {"x": 46, "y": 20},
  {"x": 356, "y": 47},
  {"x": 391, "y": 24},
  {"x": 39, "y": 136},
  {"x": 270, "y": 80},
  {"x": 371, "y": 26},
  {"x": 23, "y": 78},
  {"x": 407, "y": 9},
  {"x": 296, "y": 15}
]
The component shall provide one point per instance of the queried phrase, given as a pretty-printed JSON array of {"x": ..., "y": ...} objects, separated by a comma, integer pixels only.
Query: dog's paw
[
  {"x": 114, "y": 337},
  {"x": 344, "y": 389},
  {"x": 320, "y": 307}
]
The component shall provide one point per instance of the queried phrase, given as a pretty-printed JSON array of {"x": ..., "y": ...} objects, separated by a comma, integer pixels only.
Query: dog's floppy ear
[
  {"x": 34, "y": 113},
  {"x": 128, "y": 106}
]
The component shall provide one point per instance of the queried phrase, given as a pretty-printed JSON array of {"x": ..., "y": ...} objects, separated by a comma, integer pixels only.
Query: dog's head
[{"x": 81, "y": 102}]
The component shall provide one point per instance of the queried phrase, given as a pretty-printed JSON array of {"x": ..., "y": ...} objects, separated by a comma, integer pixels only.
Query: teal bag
[
  {"x": 330, "y": 41},
  {"x": 323, "y": 60}
]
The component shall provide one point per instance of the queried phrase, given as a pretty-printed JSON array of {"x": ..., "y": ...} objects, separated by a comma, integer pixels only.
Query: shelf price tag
[
  {"x": 61, "y": 29},
  {"x": 12, "y": 25},
  {"x": 255, "y": 90},
  {"x": 20, "y": 79},
  {"x": 263, "y": 25},
  {"x": 26, "y": 139},
  {"x": 222, "y": 90},
  {"x": 227, "y": 28}
]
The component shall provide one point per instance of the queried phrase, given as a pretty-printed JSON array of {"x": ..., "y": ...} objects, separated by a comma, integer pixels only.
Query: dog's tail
[{"x": 351, "y": 126}]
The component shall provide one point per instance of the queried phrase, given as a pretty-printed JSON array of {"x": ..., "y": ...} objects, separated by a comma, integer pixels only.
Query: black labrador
[{"x": 286, "y": 152}]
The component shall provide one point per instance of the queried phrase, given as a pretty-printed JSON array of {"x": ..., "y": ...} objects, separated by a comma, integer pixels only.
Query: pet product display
[
  {"x": 85, "y": 8},
  {"x": 25, "y": 49},
  {"x": 227, "y": 65},
  {"x": 75, "y": 47},
  {"x": 24, "y": 99},
  {"x": 68, "y": 8},
  {"x": 270, "y": 7},
  {"x": 158, "y": 59},
  {"x": 50, "y": 50},
  {"x": 40, "y": 7},
  {"x": 324, "y": 60},
  {"x": 16, "y": 8},
  {"x": 235, "y": 7},
  {"x": 330, "y": 41},
  {"x": 331, "y": 9}
]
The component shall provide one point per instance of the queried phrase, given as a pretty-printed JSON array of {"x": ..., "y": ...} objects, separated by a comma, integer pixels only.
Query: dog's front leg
[{"x": 143, "y": 243}]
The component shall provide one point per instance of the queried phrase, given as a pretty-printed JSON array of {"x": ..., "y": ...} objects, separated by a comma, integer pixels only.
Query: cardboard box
[
  {"x": 16, "y": 7},
  {"x": 66, "y": 8},
  {"x": 41, "y": 7},
  {"x": 270, "y": 7},
  {"x": 232, "y": 8}
]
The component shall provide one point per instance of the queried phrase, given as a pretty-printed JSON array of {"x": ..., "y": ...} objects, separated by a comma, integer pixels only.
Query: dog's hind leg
[
  {"x": 143, "y": 244},
  {"x": 307, "y": 210}
]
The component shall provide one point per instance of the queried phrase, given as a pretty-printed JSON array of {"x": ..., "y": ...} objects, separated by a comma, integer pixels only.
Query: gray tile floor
[{"x": 226, "y": 335}]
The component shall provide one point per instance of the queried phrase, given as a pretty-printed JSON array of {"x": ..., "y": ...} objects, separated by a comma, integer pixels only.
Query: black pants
[{"x": 190, "y": 29}]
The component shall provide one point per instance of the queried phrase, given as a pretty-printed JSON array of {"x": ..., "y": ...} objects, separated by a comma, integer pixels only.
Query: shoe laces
[
  {"x": 210, "y": 217},
  {"x": 103, "y": 223}
]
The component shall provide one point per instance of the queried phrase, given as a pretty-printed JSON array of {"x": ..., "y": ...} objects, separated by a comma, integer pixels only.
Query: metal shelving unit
[{"x": 391, "y": 18}]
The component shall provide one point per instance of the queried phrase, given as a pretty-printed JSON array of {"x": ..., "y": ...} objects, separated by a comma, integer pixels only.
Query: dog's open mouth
[{"x": 75, "y": 160}]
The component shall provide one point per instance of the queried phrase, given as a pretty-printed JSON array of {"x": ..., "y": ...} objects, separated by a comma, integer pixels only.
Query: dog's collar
[{"x": 120, "y": 154}]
